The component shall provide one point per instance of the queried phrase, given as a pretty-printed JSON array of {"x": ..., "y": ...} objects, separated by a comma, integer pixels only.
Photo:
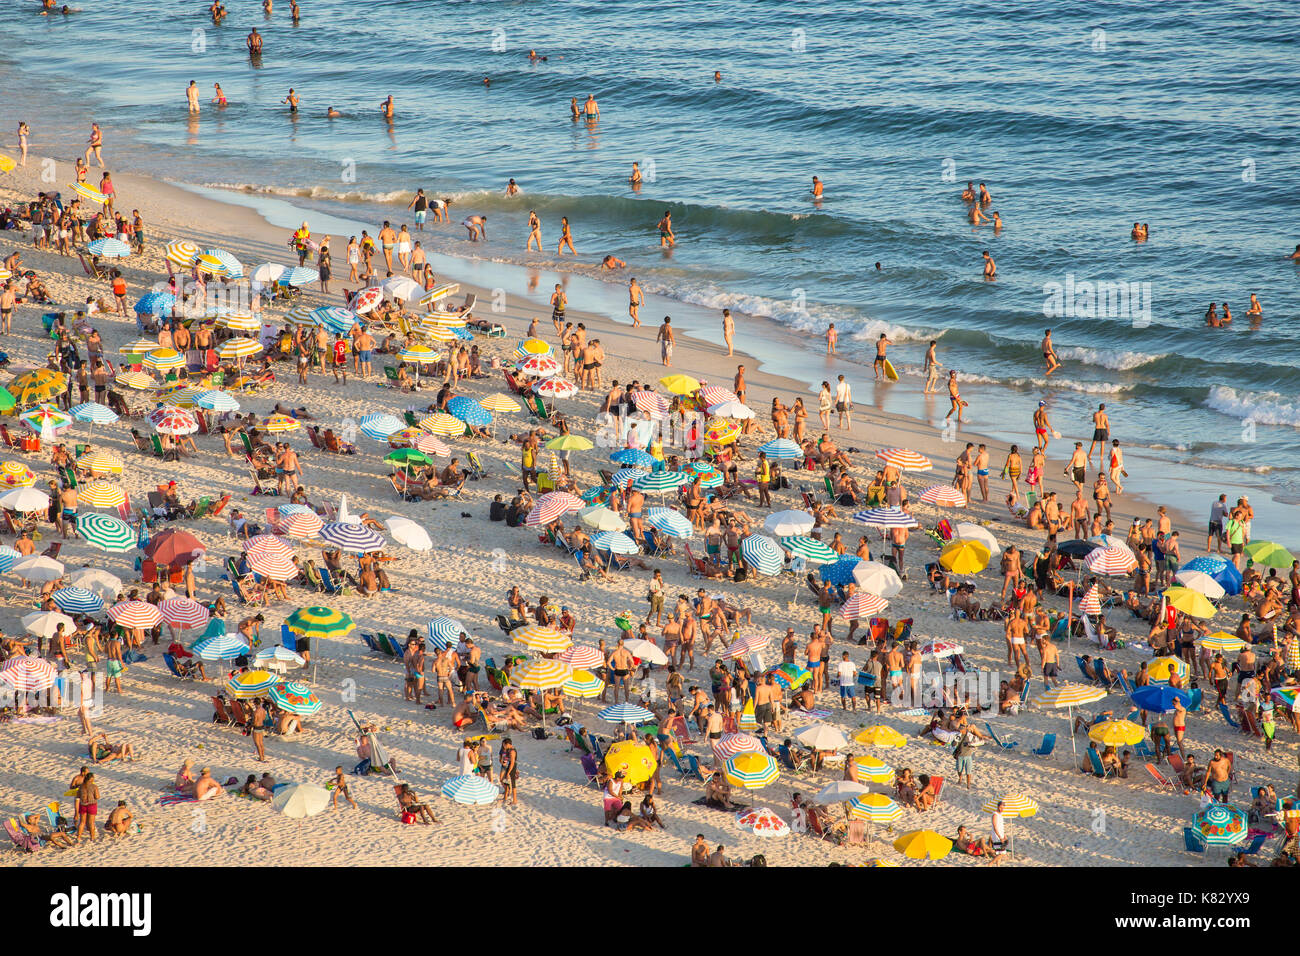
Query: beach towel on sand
[{"x": 173, "y": 797}]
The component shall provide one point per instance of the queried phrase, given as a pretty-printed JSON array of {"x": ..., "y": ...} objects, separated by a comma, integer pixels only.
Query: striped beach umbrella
[
  {"x": 1110, "y": 561},
  {"x": 1223, "y": 642},
  {"x": 541, "y": 638},
  {"x": 137, "y": 350},
  {"x": 335, "y": 318},
  {"x": 354, "y": 538},
  {"x": 135, "y": 614},
  {"x": 751, "y": 771},
  {"x": 296, "y": 698},
  {"x": 219, "y": 262},
  {"x": 436, "y": 332},
  {"x": 445, "y": 631},
  {"x": 717, "y": 395},
  {"x": 250, "y": 684},
  {"x": 181, "y": 253},
  {"x": 38, "y": 385},
  {"x": 75, "y": 600},
  {"x": 904, "y": 459},
  {"x": 791, "y": 676},
  {"x": 540, "y": 674},
  {"x": 469, "y": 411},
  {"x": 810, "y": 549},
  {"x": 669, "y": 522},
  {"x": 319, "y": 622},
  {"x": 367, "y": 299},
  {"x": 170, "y": 420},
  {"x": 551, "y": 505},
  {"x": 298, "y": 277},
  {"x": 278, "y": 424},
  {"x": 1285, "y": 696},
  {"x": 431, "y": 444},
  {"x": 1221, "y": 824},
  {"x": 584, "y": 656},
  {"x": 140, "y": 381},
  {"x": 762, "y": 554},
  {"x": 28, "y": 675},
  {"x": 107, "y": 533},
  {"x": 885, "y": 518},
  {"x": 661, "y": 481},
  {"x": 1068, "y": 695},
  {"x": 709, "y": 477},
  {"x": 109, "y": 248},
  {"x": 7, "y": 558},
  {"x": 875, "y": 808},
  {"x": 874, "y": 769},
  {"x": 419, "y": 354},
  {"x": 102, "y": 493},
  {"x": 528, "y": 347},
  {"x": 878, "y": 735},
  {"x": 94, "y": 413},
  {"x": 221, "y": 647},
  {"x": 279, "y": 654},
  {"x": 539, "y": 366},
  {"x": 634, "y": 458},
  {"x": 14, "y": 474},
  {"x": 1015, "y": 805},
  {"x": 1090, "y": 603},
  {"x": 624, "y": 476},
  {"x": 216, "y": 400},
  {"x": 302, "y": 315},
  {"x": 944, "y": 495},
  {"x": 615, "y": 542},
  {"x": 277, "y": 567},
  {"x": 438, "y": 293},
  {"x": 380, "y": 425},
  {"x": 734, "y": 409},
  {"x": 782, "y": 449},
  {"x": 471, "y": 790},
  {"x": 163, "y": 360},
  {"x": 743, "y": 646},
  {"x": 1161, "y": 669},
  {"x": 862, "y": 605},
  {"x": 651, "y": 403},
  {"x": 182, "y": 612},
  {"x": 302, "y": 525},
  {"x": 499, "y": 403},
  {"x": 583, "y": 684},
  {"x": 626, "y": 713},
  {"x": 556, "y": 388},
  {"x": 441, "y": 318},
  {"x": 733, "y": 745},
  {"x": 240, "y": 322},
  {"x": 87, "y": 191},
  {"x": 239, "y": 348},
  {"x": 440, "y": 423}
]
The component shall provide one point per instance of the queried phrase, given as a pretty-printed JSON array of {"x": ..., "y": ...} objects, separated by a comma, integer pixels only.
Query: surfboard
[{"x": 889, "y": 371}]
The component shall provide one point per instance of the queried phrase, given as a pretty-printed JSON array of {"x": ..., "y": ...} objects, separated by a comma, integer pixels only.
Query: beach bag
[
  {"x": 361, "y": 769},
  {"x": 963, "y": 748},
  {"x": 408, "y": 816}
]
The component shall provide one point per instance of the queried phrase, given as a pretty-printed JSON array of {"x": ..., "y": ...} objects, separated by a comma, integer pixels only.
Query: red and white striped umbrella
[
  {"x": 1112, "y": 560},
  {"x": 716, "y": 395},
  {"x": 277, "y": 567},
  {"x": 367, "y": 299},
  {"x": 301, "y": 525},
  {"x": 746, "y": 645},
  {"x": 945, "y": 495},
  {"x": 732, "y": 745},
  {"x": 904, "y": 459},
  {"x": 135, "y": 614},
  {"x": 583, "y": 656},
  {"x": 431, "y": 445},
  {"x": 28, "y": 675},
  {"x": 268, "y": 544},
  {"x": 862, "y": 605},
  {"x": 556, "y": 388},
  {"x": 1091, "y": 601},
  {"x": 656, "y": 406},
  {"x": 170, "y": 420},
  {"x": 551, "y": 505},
  {"x": 183, "y": 612},
  {"x": 941, "y": 649}
]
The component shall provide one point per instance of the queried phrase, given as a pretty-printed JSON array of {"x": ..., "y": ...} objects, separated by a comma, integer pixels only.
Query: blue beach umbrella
[
  {"x": 625, "y": 713},
  {"x": 94, "y": 413},
  {"x": 661, "y": 481},
  {"x": 445, "y": 631},
  {"x": 885, "y": 518},
  {"x": 298, "y": 276},
  {"x": 840, "y": 572},
  {"x": 74, "y": 600},
  {"x": 634, "y": 456},
  {"x": 1159, "y": 699},
  {"x": 109, "y": 248},
  {"x": 762, "y": 554},
  {"x": 335, "y": 318},
  {"x": 624, "y": 475},
  {"x": 670, "y": 522},
  {"x": 781, "y": 448},
  {"x": 469, "y": 411},
  {"x": 471, "y": 789},
  {"x": 380, "y": 426},
  {"x": 155, "y": 303},
  {"x": 356, "y": 538},
  {"x": 615, "y": 542},
  {"x": 7, "y": 558},
  {"x": 221, "y": 647}
]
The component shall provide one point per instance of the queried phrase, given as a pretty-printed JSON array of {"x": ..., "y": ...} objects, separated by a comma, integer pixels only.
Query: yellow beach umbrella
[
  {"x": 1117, "y": 733},
  {"x": 236, "y": 349},
  {"x": 102, "y": 494},
  {"x": 965, "y": 557},
  {"x": 500, "y": 402},
  {"x": 280, "y": 423},
  {"x": 137, "y": 380},
  {"x": 240, "y": 322},
  {"x": 140, "y": 347},
  {"x": 751, "y": 771},
  {"x": 1192, "y": 603},
  {"x": 923, "y": 845},
  {"x": 7, "y": 164},
  {"x": 163, "y": 360},
  {"x": 1223, "y": 642},
  {"x": 1016, "y": 805},
  {"x": 542, "y": 639},
  {"x": 540, "y": 674},
  {"x": 679, "y": 384},
  {"x": 875, "y": 769},
  {"x": 211, "y": 264},
  {"x": 1160, "y": 669},
  {"x": 101, "y": 462},
  {"x": 181, "y": 252},
  {"x": 14, "y": 474},
  {"x": 440, "y": 423},
  {"x": 38, "y": 385},
  {"x": 634, "y": 758},
  {"x": 251, "y": 684},
  {"x": 878, "y": 735}
]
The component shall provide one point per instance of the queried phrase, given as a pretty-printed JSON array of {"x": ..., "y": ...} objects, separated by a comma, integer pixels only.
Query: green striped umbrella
[
  {"x": 809, "y": 548},
  {"x": 319, "y": 622},
  {"x": 106, "y": 532},
  {"x": 661, "y": 481}
]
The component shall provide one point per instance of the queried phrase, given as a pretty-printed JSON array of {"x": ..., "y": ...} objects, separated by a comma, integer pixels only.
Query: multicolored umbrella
[
  {"x": 582, "y": 684},
  {"x": 874, "y": 769},
  {"x": 790, "y": 676},
  {"x": 583, "y": 655},
  {"x": 296, "y": 698},
  {"x": 136, "y": 380},
  {"x": 278, "y": 424},
  {"x": 445, "y": 631},
  {"x": 720, "y": 431},
  {"x": 251, "y": 684},
  {"x": 941, "y": 649},
  {"x": 163, "y": 360},
  {"x": 367, "y": 299},
  {"x": 380, "y": 425},
  {"x": 529, "y": 347},
  {"x": 752, "y": 771},
  {"x": 109, "y": 248},
  {"x": 862, "y": 605},
  {"x": 874, "y": 808},
  {"x": 468, "y": 411},
  {"x": 438, "y": 293},
  {"x": 46, "y": 417},
  {"x": 1219, "y": 824},
  {"x": 216, "y": 400},
  {"x": 302, "y": 525},
  {"x": 14, "y": 474},
  {"x": 886, "y": 518},
  {"x": 221, "y": 647},
  {"x": 39, "y": 385},
  {"x": 944, "y": 495},
  {"x": 440, "y": 423},
  {"x": 1223, "y": 642},
  {"x": 135, "y": 614},
  {"x": 762, "y": 822},
  {"x": 904, "y": 459},
  {"x": 89, "y": 192},
  {"x": 637, "y": 458},
  {"x": 107, "y": 533},
  {"x": 319, "y": 622},
  {"x": 182, "y": 612}
]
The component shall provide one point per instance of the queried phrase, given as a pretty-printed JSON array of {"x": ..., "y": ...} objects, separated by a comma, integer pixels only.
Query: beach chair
[
  {"x": 693, "y": 768},
  {"x": 1126, "y": 685},
  {"x": 219, "y": 713},
  {"x": 819, "y": 824},
  {"x": 1097, "y": 769},
  {"x": 219, "y": 506},
  {"x": 595, "y": 747},
  {"x": 937, "y": 782},
  {"x": 1161, "y": 780},
  {"x": 787, "y": 760},
  {"x": 1253, "y": 847},
  {"x": 328, "y": 583},
  {"x": 21, "y": 838},
  {"x": 591, "y": 769},
  {"x": 1194, "y": 704},
  {"x": 1143, "y": 749},
  {"x": 1176, "y": 762},
  {"x": 575, "y": 739},
  {"x": 1004, "y": 744},
  {"x": 681, "y": 730},
  {"x": 170, "y": 661},
  {"x": 672, "y": 758},
  {"x": 1046, "y": 747},
  {"x": 1192, "y": 841}
]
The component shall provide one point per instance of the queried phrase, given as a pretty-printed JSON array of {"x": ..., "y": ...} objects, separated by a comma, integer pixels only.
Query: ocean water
[{"x": 1079, "y": 120}]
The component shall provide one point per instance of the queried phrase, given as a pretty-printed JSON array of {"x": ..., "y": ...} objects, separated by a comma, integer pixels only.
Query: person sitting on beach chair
[{"x": 409, "y": 802}]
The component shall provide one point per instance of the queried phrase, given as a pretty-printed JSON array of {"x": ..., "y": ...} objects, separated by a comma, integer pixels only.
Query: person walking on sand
[
  {"x": 509, "y": 758},
  {"x": 882, "y": 346},
  {"x": 87, "y": 805},
  {"x": 728, "y": 330},
  {"x": 666, "y": 341},
  {"x": 844, "y": 403},
  {"x": 635, "y": 298},
  {"x": 932, "y": 366},
  {"x": 339, "y": 787},
  {"x": 1049, "y": 353},
  {"x": 259, "y": 729},
  {"x": 23, "y": 132},
  {"x": 192, "y": 95},
  {"x": 566, "y": 237}
]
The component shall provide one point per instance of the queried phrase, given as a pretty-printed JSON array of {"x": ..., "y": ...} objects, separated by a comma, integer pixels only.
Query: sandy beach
[{"x": 1082, "y": 821}]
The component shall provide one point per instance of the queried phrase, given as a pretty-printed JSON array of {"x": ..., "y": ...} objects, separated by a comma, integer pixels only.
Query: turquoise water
[{"x": 1080, "y": 122}]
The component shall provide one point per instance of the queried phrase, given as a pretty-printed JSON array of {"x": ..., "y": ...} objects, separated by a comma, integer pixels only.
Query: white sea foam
[
  {"x": 1263, "y": 408},
  {"x": 1115, "y": 359}
]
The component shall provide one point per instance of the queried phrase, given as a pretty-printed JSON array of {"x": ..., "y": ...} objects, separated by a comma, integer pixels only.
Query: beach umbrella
[
  {"x": 268, "y": 273},
  {"x": 38, "y": 385},
  {"x": 107, "y": 533},
  {"x": 670, "y": 522},
  {"x": 600, "y": 518},
  {"x": 636, "y": 458},
  {"x": 240, "y": 322},
  {"x": 300, "y": 800},
  {"x": 923, "y": 845},
  {"x": 277, "y": 656},
  {"x": 762, "y": 822},
  {"x": 1221, "y": 824},
  {"x": 570, "y": 443},
  {"x": 251, "y": 684},
  {"x": 717, "y": 395},
  {"x": 221, "y": 647},
  {"x": 1117, "y": 733},
  {"x": 583, "y": 684},
  {"x": 625, "y": 476},
  {"x": 751, "y": 771},
  {"x": 501, "y": 403},
  {"x": 877, "y": 578},
  {"x": 944, "y": 495},
  {"x": 217, "y": 401},
  {"x": 469, "y": 411},
  {"x": 296, "y": 698},
  {"x": 821, "y": 736},
  {"x": 401, "y": 287},
  {"x": 862, "y": 605},
  {"x": 732, "y": 745},
  {"x": 539, "y": 366},
  {"x": 540, "y": 674},
  {"x": 782, "y": 524},
  {"x": 98, "y": 581},
  {"x": 174, "y": 546},
  {"x": 109, "y": 248},
  {"x": 7, "y": 558},
  {"x": 1159, "y": 698},
  {"x": 1014, "y": 806},
  {"x": 556, "y": 388},
  {"x": 471, "y": 790},
  {"x": 46, "y": 420},
  {"x": 652, "y": 404},
  {"x": 878, "y": 735},
  {"x": 527, "y": 347},
  {"x": 1191, "y": 603},
  {"x": 46, "y": 623},
  {"x": 886, "y": 518},
  {"x": 7, "y": 401},
  {"x": 164, "y": 360},
  {"x": 437, "y": 293},
  {"x": 1223, "y": 642},
  {"x": 551, "y": 505},
  {"x": 87, "y": 191},
  {"x": 379, "y": 426},
  {"x": 28, "y": 675},
  {"x": 158, "y": 302},
  {"x": 615, "y": 542},
  {"x": 1161, "y": 669},
  {"x": 744, "y": 646},
  {"x": 181, "y": 252},
  {"x": 279, "y": 424},
  {"x": 302, "y": 525},
  {"x": 634, "y": 759},
  {"x": 940, "y": 649},
  {"x": 234, "y": 268},
  {"x": 16, "y": 475},
  {"x": 969, "y": 531},
  {"x": 319, "y": 622},
  {"x": 841, "y": 572},
  {"x": 101, "y": 461},
  {"x": 904, "y": 459},
  {"x": 1201, "y": 582},
  {"x": 273, "y": 565},
  {"x": 679, "y": 384},
  {"x": 182, "y": 396},
  {"x": 1090, "y": 603},
  {"x": 445, "y": 631},
  {"x": 135, "y": 614},
  {"x": 781, "y": 449},
  {"x": 790, "y": 676},
  {"x": 874, "y": 769},
  {"x": 170, "y": 420},
  {"x": 1269, "y": 553},
  {"x": 762, "y": 554},
  {"x": 183, "y": 612},
  {"x": 75, "y": 600},
  {"x": 583, "y": 655},
  {"x": 719, "y": 431},
  {"x": 542, "y": 639},
  {"x": 645, "y": 651},
  {"x": 419, "y": 355},
  {"x": 732, "y": 409},
  {"x": 298, "y": 277},
  {"x": 408, "y": 533},
  {"x": 441, "y": 423},
  {"x": 964, "y": 557},
  {"x": 431, "y": 444},
  {"x": 626, "y": 713},
  {"x": 810, "y": 549},
  {"x": 1069, "y": 696},
  {"x": 238, "y": 349},
  {"x": 842, "y": 791},
  {"x": 136, "y": 380},
  {"x": 37, "y": 567},
  {"x": 1112, "y": 561},
  {"x": 875, "y": 808},
  {"x": 334, "y": 318},
  {"x": 1210, "y": 564}
]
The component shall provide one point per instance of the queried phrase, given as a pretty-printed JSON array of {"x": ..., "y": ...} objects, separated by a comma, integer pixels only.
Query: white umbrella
[
  {"x": 600, "y": 518},
  {"x": 407, "y": 532},
  {"x": 268, "y": 273},
  {"x": 783, "y": 524},
  {"x": 646, "y": 651},
  {"x": 25, "y": 499},
  {"x": 731, "y": 410},
  {"x": 401, "y": 287},
  {"x": 877, "y": 578},
  {"x": 100, "y": 583},
  {"x": 1200, "y": 581},
  {"x": 974, "y": 532},
  {"x": 46, "y": 623},
  {"x": 299, "y": 800},
  {"x": 821, "y": 737},
  {"x": 841, "y": 791},
  {"x": 37, "y": 567}
]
